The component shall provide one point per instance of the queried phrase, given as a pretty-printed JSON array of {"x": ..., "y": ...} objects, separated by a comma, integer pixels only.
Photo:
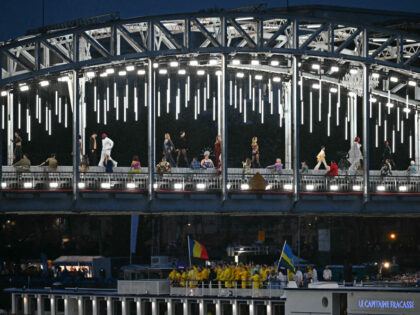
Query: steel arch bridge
[{"x": 290, "y": 47}]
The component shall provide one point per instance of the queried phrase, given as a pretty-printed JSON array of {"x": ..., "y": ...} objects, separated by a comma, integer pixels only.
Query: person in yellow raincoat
[
  {"x": 183, "y": 278},
  {"x": 192, "y": 277},
  {"x": 237, "y": 272},
  {"x": 245, "y": 276},
  {"x": 256, "y": 280}
]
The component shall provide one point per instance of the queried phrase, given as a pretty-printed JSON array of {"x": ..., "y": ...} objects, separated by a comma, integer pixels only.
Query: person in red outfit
[
  {"x": 333, "y": 171},
  {"x": 217, "y": 150}
]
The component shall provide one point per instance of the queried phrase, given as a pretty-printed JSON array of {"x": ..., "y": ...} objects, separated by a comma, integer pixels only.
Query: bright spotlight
[
  {"x": 194, "y": 63},
  {"x": 110, "y": 70},
  {"x": 288, "y": 186},
  {"x": 353, "y": 71},
  {"x": 228, "y": 186},
  {"x": 316, "y": 86},
  {"x": 334, "y": 69},
  {"x": 122, "y": 73},
  {"x": 412, "y": 83},
  {"x": 244, "y": 186},
  {"x": 90, "y": 74},
  {"x": 316, "y": 66},
  {"x": 240, "y": 75},
  {"x": 3, "y": 93},
  {"x": 213, "y": 62},
  {"x": 406, "y": 110},
  {"x": 163, "y": 71},
  {"x": 310, "y": 187},
  {"x": 402, "y": 188},
  {"x": 63, "y": 79},
  {"x": 274, "y": 63},
  {"x": 375, "y": 75},
  {"x": 131, "y": 185},
  {"x": 393, "y": 79},
  {"x": 218, "y": 72},
  {"x": 392, "y": 236},
  {"x": 201, "y": 72},
  {"x": 357, "y": 187},
  {"x": 386, "y": 265},
  {"x": 258, "y": 77},
  {"x": 141, "y": 72},
  {"x": 24, "y": 88},
  {"x": 178, "y": 186},
  {"x": 155, "y": 65},
  {"x": 103, "y": 75},
  {"x": 129, "y": 68},
  {"x": 255, "y": 62},
  {"x": 27, "y": 185},
  {"x": 380, "y": 188},
  {"x": 155, "y": 186},
  {"x": 236, "y": 62},
  {"x": 334, "y": 187},
  {"x": 201, "y": 186},
  {"x": 174, "y": 64},
  {"x": 182, "y": 71},
  {"x": 276, "y": 79},
  {"x": 373, "y": 99},
  {"x": 54, "y": 185},
  {"x": 268, "y": 187},
  {"x": 106, "y": 185},
  {"x": 3, "y": 185},
  {"x": 82, "y": 185},
  {"x": 44, "y": 83},
  {"x": 333, "y": 90},
  {"x": 390, "y": 105}
]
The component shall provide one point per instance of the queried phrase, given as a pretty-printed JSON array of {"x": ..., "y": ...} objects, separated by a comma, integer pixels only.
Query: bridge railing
[{"x": 208, "y": 181}]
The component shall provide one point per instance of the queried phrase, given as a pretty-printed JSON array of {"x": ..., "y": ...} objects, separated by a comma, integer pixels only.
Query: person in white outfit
[
  {"x": 298, "y": 277},
  {"x": 321, "y": 159},
  {"x": 327, "y": 274},
  {"x": 107, "y": 145},
  {"x": 314, "y": 275},
  {"x": 355, "y": 155}
]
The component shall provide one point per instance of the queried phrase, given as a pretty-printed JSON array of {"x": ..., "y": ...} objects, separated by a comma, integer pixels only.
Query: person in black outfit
[
  {"x": 182, "y": 148},
  {"x": 17, "y": 152},
  {"x": 387, "y": 154},
  {"x": 93, "y": 148}
]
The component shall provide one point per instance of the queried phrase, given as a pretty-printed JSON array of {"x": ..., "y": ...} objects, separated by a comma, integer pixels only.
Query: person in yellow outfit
[
  {"x": 237, "y": 272},
  {"x": 199, "y": 276},
  {"x": 183, "y": 279},
  {"x": 172, "y": 276},
  {"x": 192, "y": 277},
  {"x": 256, "y": 281},
  {"x": 219, "y": 273},
  {"x": 205, "y": 276},
  {"x": 320, "y": 158},
  {"x": 245, "y": 275}
]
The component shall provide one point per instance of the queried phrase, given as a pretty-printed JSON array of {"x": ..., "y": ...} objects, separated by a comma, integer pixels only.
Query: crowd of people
[
  {"x": 351, "y": 162},
  {"x": 232, "y": 275}
]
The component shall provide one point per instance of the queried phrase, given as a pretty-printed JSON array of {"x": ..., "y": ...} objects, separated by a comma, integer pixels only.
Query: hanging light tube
[
  {"x": 208, "y": 87},
  {"x": 370, "y": 107},
  {"x": 406, "y": 109},
  {"x": 168, "y": 95},
  {"x": 348, "y": 108},
  {"x": 249, "y": 86},
  {"x": 186, "y": 95},
  {"x": 145, "y": 94},
  {"x": 310, "y": 111},
  {"x": 385, "y": 129},
  {"x": 345, "y": 128},
  {"x": 245, "y": 111},
  {"x": 115, "y": 95},
  {"x": 36, "y": 105},
  {"x": 402, "y": 131},
  {"x": 259, "y": 100},
  {"x": 376, "y": 135},
  {"x": 329, "y": 114},
  {"x": 198, "y": 101},
  {"x": 49, "y": 122},
  {"x": 338, "y": 105},
  {"x": 320, "y": 101},
  {"x": 253, "y": 98},
  {"x": 158, "y": 102},
  {"x": 398, "y": 118},
  {"x": 389, "y": 104},
  {"x": 205, "y": 93},
  {"x": 136, "y": 104},
  {"x": 59, "y": 110},
  {"x": 65, "y": 114},
  {"x": 240, "y": 99},
  {"x": 19, "y": 114},
  {"x": 235, "y": 95},
  {"x": 40, "y": 110},
  {"x": 107, "y": 98},
  {"x": 56, "y": 103},
  {"x": 195, "y": 107},
  {"x": 178, "y": 103},
  {"x": 98, "y": 111},
  {"x": 380, "y": 114},
  {"x": 188, "y": 89},
  {"x": 262, "y": 112},
  {"x": 2, "y": 117},
  {"x": 104, "y": 111},
  {"x": 126, "y": 96},
  {"x": 29, "y": 127},
  {"x": 214, "y": 108},
  {"x": 411, "y": 146},
  {"x": 393, "y": 140},
  {"x": 94, "y": 98},
  {"x": 230, "y": 93},
  {"x": 46, "y": 118}
]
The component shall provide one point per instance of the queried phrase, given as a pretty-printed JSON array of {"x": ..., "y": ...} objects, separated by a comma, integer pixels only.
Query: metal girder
[
  {"x": 348, "y": 41},
  {"x": 168, "y": 35},
  {"x": 313, "y": 36},
  {"x": 132, "y": 41},
  {"x": 56, "y": 51},
  {"x": 382, "y": 47},
  {"x": 412, "y": 58},
  {"x": 98, "y": 46},
  {"x": 17, "y": 60},
  {"x": 244, "y": 34},
  {"x": 206, "y": 33},
  {"x": 279, "y": 32}
]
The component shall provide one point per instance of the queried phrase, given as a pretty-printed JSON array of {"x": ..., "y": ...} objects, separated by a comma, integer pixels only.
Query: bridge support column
[
  {"x": 269, "y": 308},
  {"x": 235, "y": 308},
  {"x": 417, "y": 138},
  {"x": 151, "y": 127},
  {"x": 353, "y": 117},
  {"x": 94, "y": 305},
  {"x": 218, "y": 307},
  {"x": 80, "y": 305},
  {"x": 185, "y": 307},
  {"x": 140, "y": 307},
  {"x": 26, "y": 306},
  {"x": 109, "y": 306},
  {"x": 52, "y": 305},
  {"x": 155, "y": 307},
  {"x": 10, "y": 127},
  {"x": 75, "y": 89},
  {"x": 252, "y": 308},
  {"x": 288, "y": 160},
  {"x": 14, "y": 305},
  {"x": 366, "y": 121},
  {"x": 296, "y": 126},
  {"x": 202, "y": 307},
  {"x": 224, "y": 128},
  {"x": 170, "y": 307},
  {"x": 39, "y": 305}
]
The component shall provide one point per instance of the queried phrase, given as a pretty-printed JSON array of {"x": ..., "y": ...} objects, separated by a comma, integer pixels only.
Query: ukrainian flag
[
  {"x": 287, "y": 258},
  {"x": 197, "y": 250}
]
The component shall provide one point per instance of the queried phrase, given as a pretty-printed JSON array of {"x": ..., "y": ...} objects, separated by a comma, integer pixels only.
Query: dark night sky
[{"x": 16, "y": 17}]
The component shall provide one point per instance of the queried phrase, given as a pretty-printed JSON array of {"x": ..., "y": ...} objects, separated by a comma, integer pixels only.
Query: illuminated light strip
[
  {"x": 240, "y": 99},
  {"x": 253, "y": 98},
  {"x": 178, "y": 105},
  {"x": 407, "y": 111},
  {"x": 230, "y": 93},
  {"x": 370, "y": 107},
  {"x": 188, "y": 89},
  {"x": 245, "y": 110},
  {"x": 345, "y": 128},
  {"x": 94, "y": 98},
  {"x": 398, "y": 118},
  {"x": 320, "y": 101},
  {"x": 195, "y": 107},
  {"x": 380, "y": 114},
  {"x": 262, "y": 112},
  {"x": 235, "y": 100},
  {"x": 117, "y": 108},
  {"x": 214, "y": 108},
  {"x": 46, "y": 118},
  {"x": 115, "y": 95},
  {"x": 410, "y": 146},
  {"x": 27, "y": 120},
  {"x": 2, "y": 116},
  {"x": 279, "y": 109},
  {"x": 259, "y": 100},
  {"x": 105, "y": 103},
  {"x": 310, "y": 111},
  {"x": 49, "y": 122},
  {"x": 376, "y": 135},
  {"x": 36, "y": 105},
  {"x": 168, "y": 95},
  {"x": 329, "y": 114},
  {"x": 40, "y": 110},
  {"x": 98, "y": 112},
  {"x": 56, "y": 103},
  {"x": 186, "y": 95},
  {"x": 19, "y": 114},
  {"x": 389, "y": 102},
  {"x": 208, "y": 89},
  {"x": 270, "y": 96},
  {"x": 136, "y": 104},
  {"x": 59, "y": 110},
  {"x": 126, "y": 96},
  {"x": 198, "y": 102},
  {"x": 65, "y": 114},
  {"x": 249, "y": 86},
  {"x": 393, "y": 140},
  {"x": 302, "y": 104},
  {"x": 205, "y": 98},
  {"x": 402, "y": 131},
  {"x": 348, "y": 109},
  {"x": 338, "y": 104},
  {"x": 385, "y": 129},
  {"x": 107, "y": 98},
  {"x": 29, "y": 127},
  {"x": 145, "y": 94},
  {"x": 158, "y": 102}
]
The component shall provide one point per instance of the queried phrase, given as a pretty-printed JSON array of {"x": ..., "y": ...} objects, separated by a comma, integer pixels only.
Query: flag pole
[
  {"x": 281, "y": 254},
  {"x": 189, "y": 250}
]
